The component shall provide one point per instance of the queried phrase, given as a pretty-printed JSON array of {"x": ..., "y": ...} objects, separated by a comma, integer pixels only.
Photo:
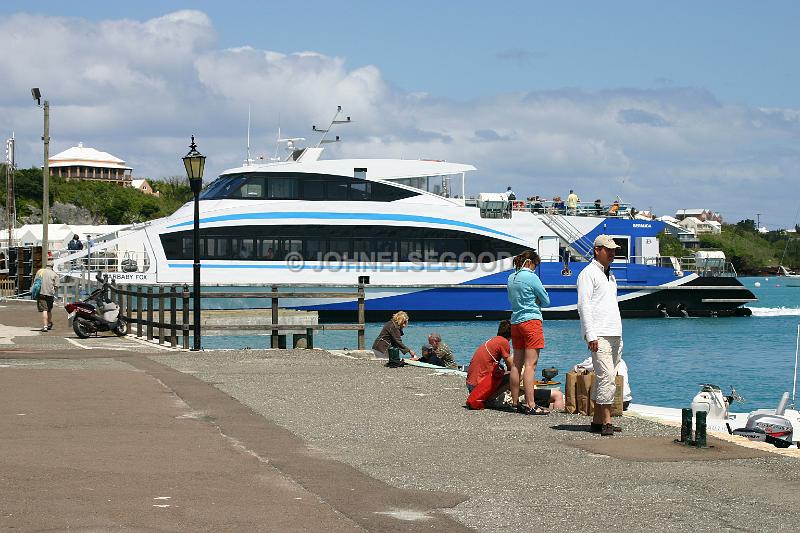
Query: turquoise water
[{"x": 666, "y": 357}]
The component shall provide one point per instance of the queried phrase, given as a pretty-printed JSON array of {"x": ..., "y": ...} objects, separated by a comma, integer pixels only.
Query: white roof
[
  {"x": 137, "y": 184},
  {"x": 88, "y": 157},
  {"x": 377, "y": 169},
  {"x": 690, "y": 211}
]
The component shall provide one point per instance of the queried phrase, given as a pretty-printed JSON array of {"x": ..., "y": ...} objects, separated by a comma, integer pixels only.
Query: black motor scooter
[{"x": 96, "y": 313}]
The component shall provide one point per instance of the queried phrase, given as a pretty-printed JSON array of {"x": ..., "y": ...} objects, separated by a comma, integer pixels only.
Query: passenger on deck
[
  {"x": 391, "y": 335},
  {"x": 612, "y": 211},
  {"x": 510, "y": 194},
  {"x": 598, "y": 206},
  {"x": 75, "y": 244},
  {"x": 558, "y": 205},
  {"x": 572, "y": 203}
]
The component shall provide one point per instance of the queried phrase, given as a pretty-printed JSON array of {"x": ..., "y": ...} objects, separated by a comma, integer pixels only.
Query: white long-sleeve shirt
[{"x": 597, "y": 303}]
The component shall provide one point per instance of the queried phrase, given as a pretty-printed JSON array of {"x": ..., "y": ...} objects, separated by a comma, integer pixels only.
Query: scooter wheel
[
  {"x": 81, "y": 329},
  {"x": 121, "y": 329}
]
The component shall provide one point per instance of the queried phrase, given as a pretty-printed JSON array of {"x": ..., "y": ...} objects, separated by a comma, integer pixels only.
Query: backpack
[{"x": 36, "y": 288}]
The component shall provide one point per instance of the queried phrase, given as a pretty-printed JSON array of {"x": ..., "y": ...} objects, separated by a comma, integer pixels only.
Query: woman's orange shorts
[{"x": 527, "y": 334}]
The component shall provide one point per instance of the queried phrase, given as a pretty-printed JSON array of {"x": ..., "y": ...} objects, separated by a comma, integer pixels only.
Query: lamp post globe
[{"x": 195, "y": 163}]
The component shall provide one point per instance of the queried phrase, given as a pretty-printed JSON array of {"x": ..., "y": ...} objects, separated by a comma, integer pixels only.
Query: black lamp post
[{"x": 194, "y": 162}]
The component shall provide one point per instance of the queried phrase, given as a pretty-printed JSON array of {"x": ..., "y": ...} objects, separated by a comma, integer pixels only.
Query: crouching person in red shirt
[{"x": 486, "y": 358}]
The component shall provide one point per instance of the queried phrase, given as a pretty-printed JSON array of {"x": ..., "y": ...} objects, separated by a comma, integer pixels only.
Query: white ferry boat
[{"x": 401, "y": 226}]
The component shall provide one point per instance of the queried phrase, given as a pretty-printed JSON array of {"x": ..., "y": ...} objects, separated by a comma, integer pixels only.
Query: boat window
[
  {"x": 244, "y": 248},
  {"x": 303, "y": 186},
  {"x": 313, "y": 190},
  {"x": 337, "y": 190},
  {"x": 267, "y": 249},
  {"x": 363, "y": 246},
  {"x": 360, "y": 191},
  {"x": 410, "y": 249},
  {"x": 222, "y": 187},
  {"x": 383, "y": 243},
  {"x": 214, "y": 247},
  {"x": 283, "y": 188},
  {"x": 623, "y": 250},
  {"x": 338, "y": 246},
  {"x": 251, "y": 188},
  {"x": 314, "y": 249}
]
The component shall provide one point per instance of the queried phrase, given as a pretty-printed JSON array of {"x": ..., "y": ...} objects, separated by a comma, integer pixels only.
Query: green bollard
[
  {"x": 686, "y": 426},
  {"x": 700, "y": 430}
]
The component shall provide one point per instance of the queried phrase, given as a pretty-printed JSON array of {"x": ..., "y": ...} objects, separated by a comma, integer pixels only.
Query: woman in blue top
[{"x": 527, "y": 296}]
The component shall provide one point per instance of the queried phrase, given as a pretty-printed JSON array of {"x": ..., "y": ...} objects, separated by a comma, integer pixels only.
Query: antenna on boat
[
  {"x": 249, "y": 159},
  {"x": 324, "y": 132}
]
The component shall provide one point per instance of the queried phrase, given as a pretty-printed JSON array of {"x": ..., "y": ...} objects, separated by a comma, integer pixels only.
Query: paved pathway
[{"x": 97, "y": 435}]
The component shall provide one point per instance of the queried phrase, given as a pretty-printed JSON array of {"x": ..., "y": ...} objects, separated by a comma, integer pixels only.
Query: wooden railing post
[
  {"x": 139, "y": 311},
  {"x": 149, "y": 313},
  {"x": 361, "y": 316},
  {"x": 186, "y": 325},
  {"x": 161, "y": 314},
  {"x": 173, "y": 316},
  {"x": 275, "y": 342}
]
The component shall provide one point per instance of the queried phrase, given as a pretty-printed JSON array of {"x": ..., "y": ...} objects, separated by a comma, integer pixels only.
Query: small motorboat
[{"x": 779, "y": 426}]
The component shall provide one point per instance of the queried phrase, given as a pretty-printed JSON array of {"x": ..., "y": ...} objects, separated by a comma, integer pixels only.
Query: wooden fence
[{"x": 139, "y": 305}]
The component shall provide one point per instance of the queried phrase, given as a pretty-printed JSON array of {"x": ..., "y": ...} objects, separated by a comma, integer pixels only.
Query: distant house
[
  {"x": 686, "y": 236},
  {"x": 143, "y": 186},
  {"x": 83, "y": 163},
  {"x": 700, "y": 214},
  {"x": 699, "y": 226}
]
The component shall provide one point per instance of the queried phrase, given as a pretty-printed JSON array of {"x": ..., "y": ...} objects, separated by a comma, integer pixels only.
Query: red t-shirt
[{"x": 485, "y": 356}]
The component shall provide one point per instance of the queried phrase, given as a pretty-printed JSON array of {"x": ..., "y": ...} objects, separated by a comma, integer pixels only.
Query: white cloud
[{"x": 139, "y": 89}]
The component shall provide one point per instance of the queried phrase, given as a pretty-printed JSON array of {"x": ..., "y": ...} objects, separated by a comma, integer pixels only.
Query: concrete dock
[{"x": 110, "y": 433}]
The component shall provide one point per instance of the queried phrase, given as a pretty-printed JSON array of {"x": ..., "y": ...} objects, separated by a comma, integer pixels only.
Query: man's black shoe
[
  {"x": 598, "y": 428},
  {"x": 608, "y": 430}
]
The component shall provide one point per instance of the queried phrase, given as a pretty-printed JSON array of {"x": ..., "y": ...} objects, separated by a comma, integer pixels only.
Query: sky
[{"x": 668, "y": 105}]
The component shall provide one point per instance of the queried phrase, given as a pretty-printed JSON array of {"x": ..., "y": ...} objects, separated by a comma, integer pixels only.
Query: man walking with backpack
[{"x": 48, "y": 281}]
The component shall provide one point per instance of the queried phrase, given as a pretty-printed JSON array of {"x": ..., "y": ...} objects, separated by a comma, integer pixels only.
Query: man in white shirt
[{"x": 601, "y": 327}]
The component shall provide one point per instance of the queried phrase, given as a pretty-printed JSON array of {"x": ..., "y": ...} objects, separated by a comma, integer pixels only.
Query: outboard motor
[
  {"x": 765, "y": 426},
  {"x": 711, "y": 400}
]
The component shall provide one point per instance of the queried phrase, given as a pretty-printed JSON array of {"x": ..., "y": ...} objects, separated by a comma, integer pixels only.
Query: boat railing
[
  {"x": 102, "y": 260},
  {"x": 708, "y": 267},
  {"x": 583, "y": 209}
]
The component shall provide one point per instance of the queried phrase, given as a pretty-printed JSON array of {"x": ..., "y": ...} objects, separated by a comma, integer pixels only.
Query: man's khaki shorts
[{"x": 44, "y": 303}]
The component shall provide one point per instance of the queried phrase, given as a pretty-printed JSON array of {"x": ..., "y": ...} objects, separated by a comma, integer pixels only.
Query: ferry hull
[{"x": 699, "y": 297}]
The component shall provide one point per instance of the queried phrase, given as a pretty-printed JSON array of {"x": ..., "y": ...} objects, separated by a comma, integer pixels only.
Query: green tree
[{"x": 669, "y": 245}]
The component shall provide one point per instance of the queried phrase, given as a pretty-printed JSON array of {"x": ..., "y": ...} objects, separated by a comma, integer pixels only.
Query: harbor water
[{"x": 667, "y": 357}]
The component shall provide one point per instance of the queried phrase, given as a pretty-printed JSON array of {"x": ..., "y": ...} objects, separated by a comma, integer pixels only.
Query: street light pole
[
  {"x": 37, "y": 95},
  {"x": 194, "y": 162}
]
